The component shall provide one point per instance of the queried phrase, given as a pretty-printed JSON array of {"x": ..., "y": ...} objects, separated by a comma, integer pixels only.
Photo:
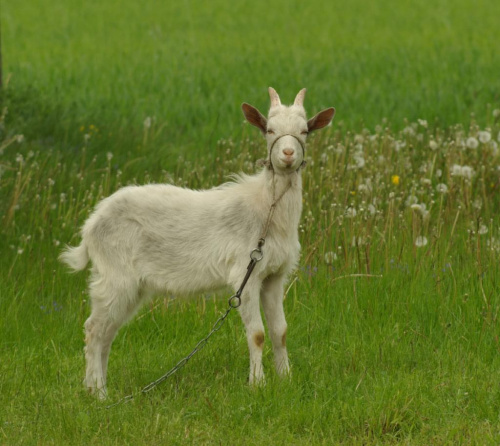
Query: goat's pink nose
[{"x": 288, "y": 152}]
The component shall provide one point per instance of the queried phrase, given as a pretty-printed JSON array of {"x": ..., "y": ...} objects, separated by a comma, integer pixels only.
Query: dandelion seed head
[
  {"x": 484, "y": 136},
  {"x": 442, "y": 188},
  {"x": 421, "y": 241},
  {"x": 433, "y": 145},
  {"x": 483, "y": 229},
  {"x": 472, "y": 142},
  {"x": 330, "y": 257}
]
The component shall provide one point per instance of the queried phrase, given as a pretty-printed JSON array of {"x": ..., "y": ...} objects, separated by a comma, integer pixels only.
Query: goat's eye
[
  {"x": 270, "y": 132},
  {"x": 304, "y": 132}
]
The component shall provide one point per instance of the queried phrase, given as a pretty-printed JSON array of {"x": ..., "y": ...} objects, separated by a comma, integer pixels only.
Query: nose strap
[{"x": 270, "y": 164}]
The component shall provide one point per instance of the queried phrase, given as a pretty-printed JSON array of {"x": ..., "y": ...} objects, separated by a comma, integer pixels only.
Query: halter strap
[{"x": 270, "y": 164}]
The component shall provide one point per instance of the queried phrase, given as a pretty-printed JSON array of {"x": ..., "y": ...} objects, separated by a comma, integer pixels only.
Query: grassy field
[{"x": 393, "y": 312}]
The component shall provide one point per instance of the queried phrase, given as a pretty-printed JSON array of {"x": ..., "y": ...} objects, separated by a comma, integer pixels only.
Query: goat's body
[
  {"x": 146, "y": 239},
  {"x": 183, "y": 241}
]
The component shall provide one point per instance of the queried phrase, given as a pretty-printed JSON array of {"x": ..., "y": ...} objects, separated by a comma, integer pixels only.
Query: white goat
[{"x": 145, "y": 239}]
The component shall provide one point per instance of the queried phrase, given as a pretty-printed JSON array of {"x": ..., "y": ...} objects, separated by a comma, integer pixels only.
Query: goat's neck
[{"x": 288, "y": 183}]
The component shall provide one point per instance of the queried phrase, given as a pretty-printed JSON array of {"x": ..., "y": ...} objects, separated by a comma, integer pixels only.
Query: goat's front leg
[
  {"x": 250, "y": 314},
  {"x": 272, "y": 302}
]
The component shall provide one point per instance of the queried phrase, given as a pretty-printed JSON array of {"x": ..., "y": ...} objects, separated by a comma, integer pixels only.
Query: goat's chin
[{"x": 286, "y": 166}]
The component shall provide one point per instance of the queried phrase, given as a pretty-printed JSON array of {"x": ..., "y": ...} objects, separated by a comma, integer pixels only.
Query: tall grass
[{"x": 189, "y": 67}]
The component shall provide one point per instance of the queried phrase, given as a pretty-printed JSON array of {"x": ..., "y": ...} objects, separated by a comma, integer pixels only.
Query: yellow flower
[
  {"x": 395, "y": 180},
  {"x": 82, "y": 128}
]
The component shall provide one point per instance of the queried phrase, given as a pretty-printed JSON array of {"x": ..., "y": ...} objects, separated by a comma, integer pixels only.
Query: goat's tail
[{"x": 75, "y": 257}]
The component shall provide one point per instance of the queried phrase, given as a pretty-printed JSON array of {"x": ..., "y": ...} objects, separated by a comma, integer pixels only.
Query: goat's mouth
[{"x": 288, "y": 162}]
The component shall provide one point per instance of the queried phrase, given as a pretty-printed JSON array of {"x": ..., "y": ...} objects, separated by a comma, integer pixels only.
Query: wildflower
[
  {"x": 51, "y": 182},
  {"x": 330, "y": 257},
  {"x": 350, "y": 212},
  {"x": 109, "y": 156},
  {"x": 442, "y": 188},
  {"x": 372, "y": 209},
  {"x": 483, "y": 229},
  {"x": 82, "y": 128},
  {"x": 423, "y": 123},
  {"x": 421, "y": 241},
  {"x": 395, "y": 180},
  {"x": 398, "y": 145},
  {"x": 484, "y": 137},
  {"x": 462, "y": 171},
  {"x": 147, "y": 123},
  {"x": 472, "y": 143},
  {"x": 433, "y": 145},
  {"x": 20, "y": 251},
  {"x": 496, "y": 113},
  {"x": 19, "y": 138}
]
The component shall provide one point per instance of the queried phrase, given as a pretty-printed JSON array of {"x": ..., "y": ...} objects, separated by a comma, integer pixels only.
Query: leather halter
[{"x": 269, "y": 162}]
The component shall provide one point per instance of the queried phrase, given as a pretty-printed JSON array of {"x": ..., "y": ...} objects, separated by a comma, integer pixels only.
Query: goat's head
[{"x": 286, "y": 129}]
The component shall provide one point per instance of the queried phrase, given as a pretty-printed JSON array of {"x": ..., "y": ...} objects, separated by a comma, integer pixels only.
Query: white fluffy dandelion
[
  {"x": 421, "y": 241},
  {"x": 330, "y": 257},
  {"x": 483, "y": 229},
  {"x": 484, "y": 136},
  {"x": 442, "y": 188},
  {"x": 472, "y": 142}
]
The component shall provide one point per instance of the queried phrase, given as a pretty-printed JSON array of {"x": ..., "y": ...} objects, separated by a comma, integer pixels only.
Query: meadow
[{"x": 393, "y": 311}]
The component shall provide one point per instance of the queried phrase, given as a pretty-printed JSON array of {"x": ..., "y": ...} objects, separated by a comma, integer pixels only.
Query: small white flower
[
  {"x": 442, "y": 188},
  {"x": 350, "y": 212},
  {"x": 423, "y": 123},
  {"x": 19, "y": 138},
  {"x": 421, "y": 241},
  {"x": 330, "y": 257},
  {"x": 462, "y": 171},
  {"x": 398, "y": 145},
  {"x": 439, "y": 172},
  {"x": 147, "y": 123},
  {"x": 19, "y": 159},
  {"x": 467, "y": 172},
  {"x": 372, "y": 209},
  {"x": 471, "y": 142},
  {"x": 51, "y": 182},
  {"x": 20, "y": 251},
  {"x": 483, "y": 229},
  {"x": 496, "y": 113},
  {"x": 109, "y": 156},
  {"x": 484, "y": 136},
  {"x": 433, "y": 145}
]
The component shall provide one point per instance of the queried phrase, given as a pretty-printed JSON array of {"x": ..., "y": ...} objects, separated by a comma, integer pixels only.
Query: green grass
[{"x": 393, "y": 312}]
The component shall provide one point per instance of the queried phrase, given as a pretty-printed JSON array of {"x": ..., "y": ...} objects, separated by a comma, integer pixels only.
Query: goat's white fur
[{"x": 145, "y": 239}]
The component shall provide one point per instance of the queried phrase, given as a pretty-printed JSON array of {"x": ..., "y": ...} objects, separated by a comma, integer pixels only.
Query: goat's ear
[
  {"x": 322, "y": 119},
  {"x": 254, "y": 117}
]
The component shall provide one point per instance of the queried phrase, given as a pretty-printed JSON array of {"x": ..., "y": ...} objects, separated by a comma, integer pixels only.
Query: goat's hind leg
[{"x": 111, "y": 307}]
